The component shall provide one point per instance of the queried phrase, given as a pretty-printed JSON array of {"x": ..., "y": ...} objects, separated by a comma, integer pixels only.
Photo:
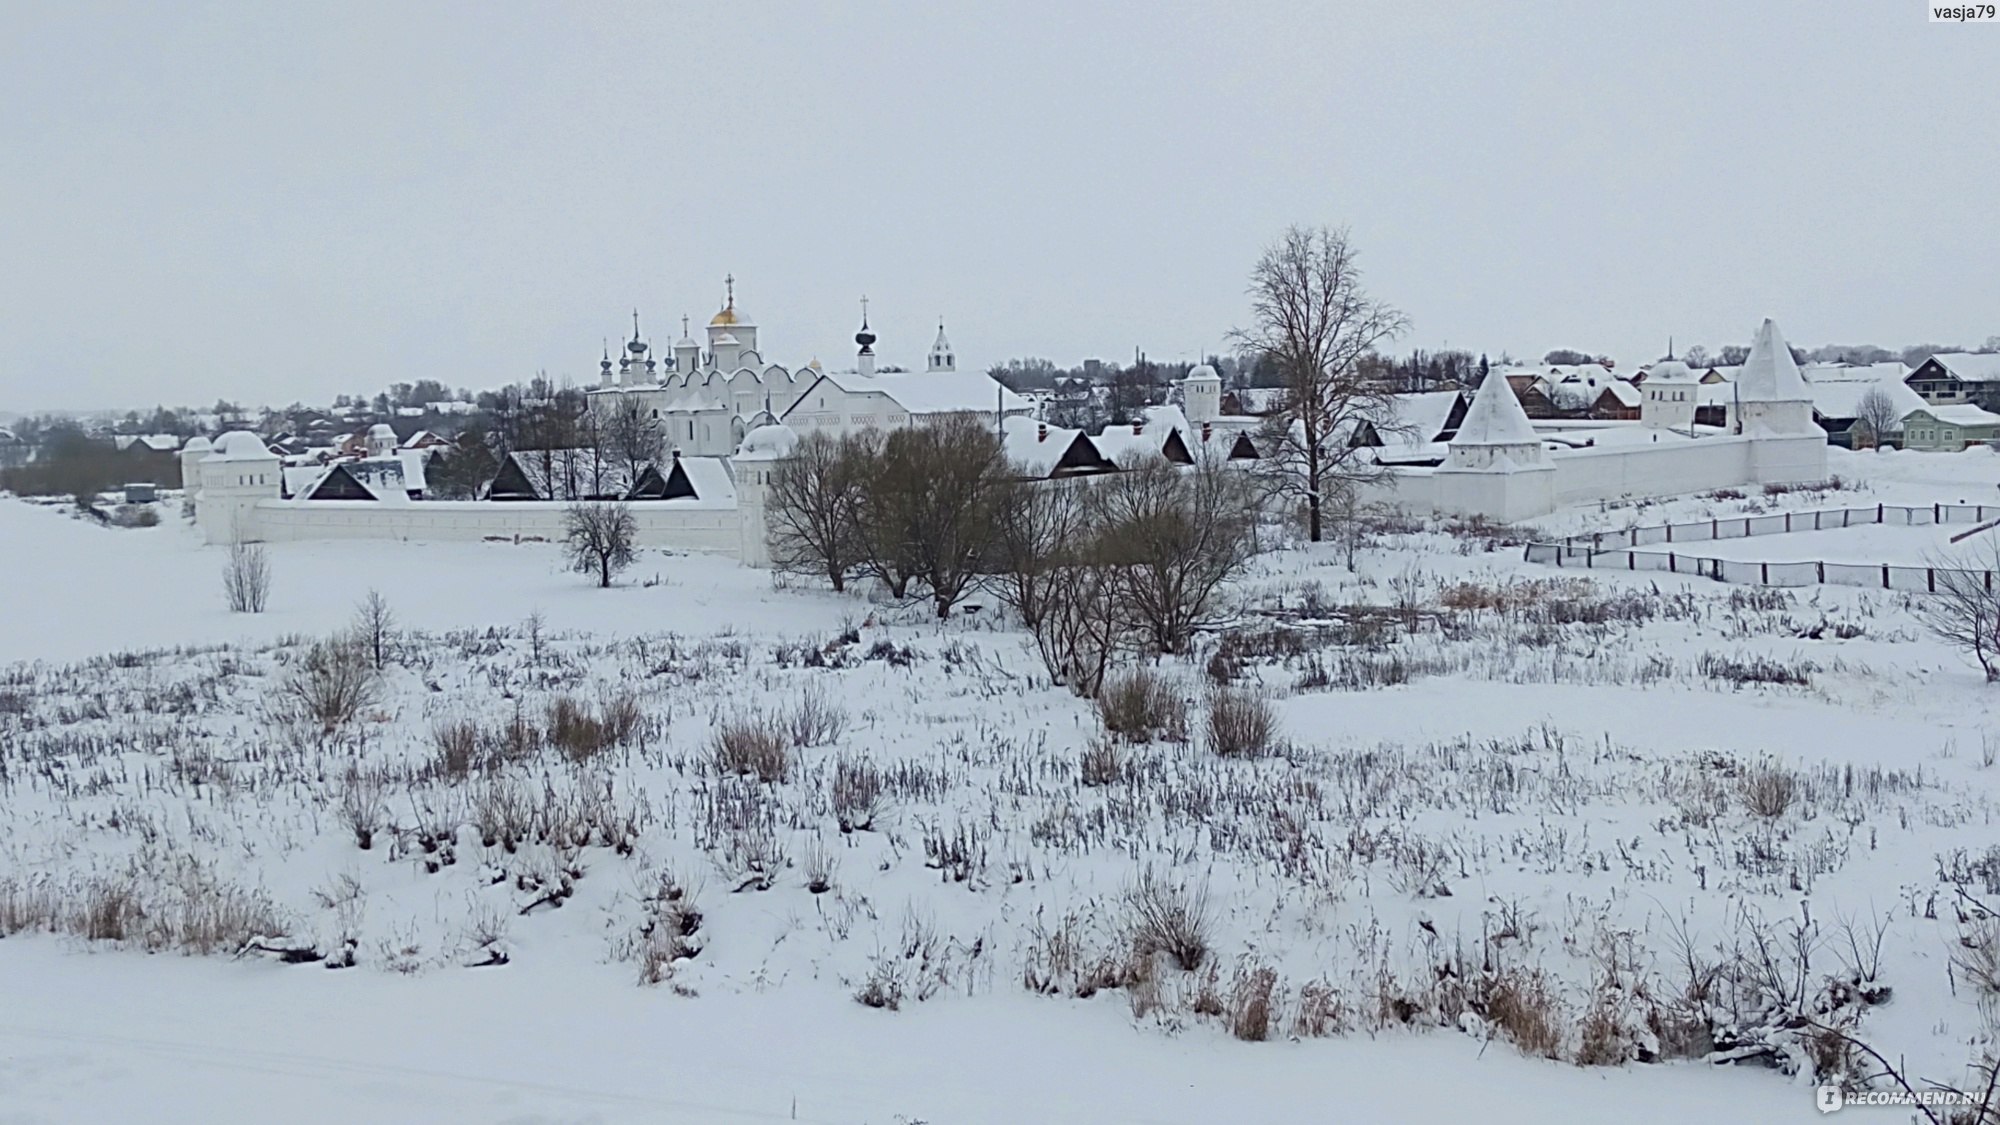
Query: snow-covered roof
[
  {"x": 1971, "y": 367},
  {"x": 299, "y": 479},
  {"x": 1166, "y": 418},
  {"x": 1417, "y": 418},
  {"x": 1844, "y": 372},
  {"x": 1496, "y": 418},
  {"x": 198, "y": 444},
  {"x": 934, "y": 392},
  {"x": 1963, "y": 414},
  {"x": 1770, "y": 374},
  {"x": 1130, "y": 444},
  {"x": 414, "y": 462},
  {"x": 571, "y": 474},
  {"x": 240, "y": 445},
  {"x": 381, "y": 477},
  {"x": 710, "y": 478},
  {"x": 1035, "y": 447},
  {"x": 1624, "y": 392},
  {"x": 768, "y": 443},
  {"x": 1202, "y": 373},
  {"x": 1841, "y": 398},
  {"x": 382, "y": 431},
  {"x": 1671, "y": 371}
]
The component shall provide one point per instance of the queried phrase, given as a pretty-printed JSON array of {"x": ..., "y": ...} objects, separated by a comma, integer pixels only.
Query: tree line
[{"x": 1096, "y": 567}]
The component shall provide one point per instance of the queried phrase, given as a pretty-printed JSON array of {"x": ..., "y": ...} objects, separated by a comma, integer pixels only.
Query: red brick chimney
[{"x": 1041, "y": 431}]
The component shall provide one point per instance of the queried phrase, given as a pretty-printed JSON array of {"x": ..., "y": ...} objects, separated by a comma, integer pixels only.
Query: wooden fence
[{"x": 1618, "y": 550}]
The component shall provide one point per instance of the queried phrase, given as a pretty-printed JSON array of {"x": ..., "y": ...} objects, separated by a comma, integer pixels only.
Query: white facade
[
  {"x": 1201, "y": 395},
  {"x": 1495, "y": 466},
  {"x": 1671, "y": 394},
  {"x": 705, "y": 399},
  {"x": 236, "y": 475},
  {"x": 1771, "y": 394},
  {"x": 842, "y": 402}
]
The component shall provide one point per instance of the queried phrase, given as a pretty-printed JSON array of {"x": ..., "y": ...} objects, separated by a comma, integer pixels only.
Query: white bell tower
[{"x": 941, "y": 358}]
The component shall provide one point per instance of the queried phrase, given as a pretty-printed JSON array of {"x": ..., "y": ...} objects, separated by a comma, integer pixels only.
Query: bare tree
[
  {"x": 629, "y": 435},
  {"x": 1081, "y": 625},
  {"x": 1876, "y": 414},
  {"x": 1314, "y": 323},
  {"x": 375, "y": 627},
  {"x": 1964, "y": 610},
  {"x": 1176, "y": 536},
  {"x": 246, "y": 578},
  {"x": 462, "y": 470},
  {"x": 1038, "y": 527},
  {"x": 813, "y": 506},
  {"x": 1348, "y": 510},
  {"x": 929, "y": 505},
  {"x": 598, "y": 539}
]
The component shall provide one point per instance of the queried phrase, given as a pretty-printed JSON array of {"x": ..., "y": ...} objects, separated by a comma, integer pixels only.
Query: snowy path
[{"x": 165, "y": 1039}]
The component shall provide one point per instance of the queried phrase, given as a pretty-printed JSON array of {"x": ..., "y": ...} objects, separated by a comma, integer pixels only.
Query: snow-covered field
[{"x": 1517, "y": 813}]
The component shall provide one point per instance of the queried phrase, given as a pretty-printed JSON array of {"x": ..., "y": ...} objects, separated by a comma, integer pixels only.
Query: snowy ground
[
  {"x": 1546, "y": 783},
  {"x": 181, "y": 1041}
]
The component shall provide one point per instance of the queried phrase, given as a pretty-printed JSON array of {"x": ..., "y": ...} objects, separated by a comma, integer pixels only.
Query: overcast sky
[{"x": 278, "y": 201}]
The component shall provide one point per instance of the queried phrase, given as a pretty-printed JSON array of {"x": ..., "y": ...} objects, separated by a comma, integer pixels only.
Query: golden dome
[{"x": 725, "y": 317}]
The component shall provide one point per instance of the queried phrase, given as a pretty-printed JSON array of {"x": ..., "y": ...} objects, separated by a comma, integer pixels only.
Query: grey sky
[{"x": 273, "y": 201}]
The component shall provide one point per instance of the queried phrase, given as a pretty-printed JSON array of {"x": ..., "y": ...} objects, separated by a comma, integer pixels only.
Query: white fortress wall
[
  {"x": 1682, "y": 468},
  {"x": 1616, "y": 472}
]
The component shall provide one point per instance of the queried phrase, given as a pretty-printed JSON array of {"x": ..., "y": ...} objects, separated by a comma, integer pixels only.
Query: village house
[
  {"x": 1948, "y": 429},
  {"x": 1956, "y": 377}
]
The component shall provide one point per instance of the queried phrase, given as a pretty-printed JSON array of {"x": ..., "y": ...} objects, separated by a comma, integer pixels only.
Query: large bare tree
[
  {"x": 1176, "y": 536},
  {"x": 934, "y": 496},
  {"x": 1313, "y": 322},
  {"x": 1039, "y": 525},
  {"x": 814, "y": 505},
  {"x": 1877, "y": 414}
]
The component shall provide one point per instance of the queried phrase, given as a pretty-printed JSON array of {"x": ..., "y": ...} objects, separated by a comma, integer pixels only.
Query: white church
[
  {"x": 724, "y": 413},
  {"x": 708, "y": 396}
]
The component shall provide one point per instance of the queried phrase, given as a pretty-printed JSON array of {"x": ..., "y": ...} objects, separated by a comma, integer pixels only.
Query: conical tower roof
[
  {"x": 1495, "y": 417},
  {"x": 1770, "y": 374}
]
